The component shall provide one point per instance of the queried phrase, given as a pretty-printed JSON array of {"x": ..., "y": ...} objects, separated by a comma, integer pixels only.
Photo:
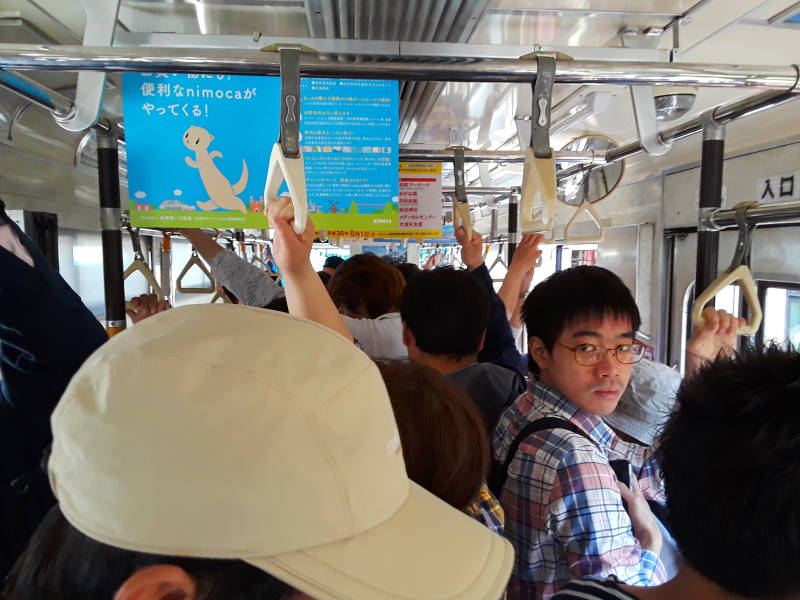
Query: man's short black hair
[
  {"x": 568, "y": 296},
  {"x": 730, "y": 455},
  {"x": 447, "y": 311}
]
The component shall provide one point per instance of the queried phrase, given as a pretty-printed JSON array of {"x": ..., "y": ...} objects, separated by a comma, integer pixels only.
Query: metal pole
[
  {"x": 711, "y": 170},
  {"x": 113, "y": 283},
  {"x": 766, "y": 214},
  {"x": 481, "y": 191},
  {"x": 513, "y": 215},
  {"x": 249, "y": 62}
]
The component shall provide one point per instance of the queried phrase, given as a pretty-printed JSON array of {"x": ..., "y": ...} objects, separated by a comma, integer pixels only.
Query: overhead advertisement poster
[
  {"x": 198, "y": 150},
  {"x": 420, "y": 210}
]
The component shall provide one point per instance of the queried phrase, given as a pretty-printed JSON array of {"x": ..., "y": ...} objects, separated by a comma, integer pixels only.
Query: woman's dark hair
[
  {"x": 61, "y": 563},
  {"x": 445, "y": 446},
  {"x": 730, "y": 456},
  {"x": 366, "y": 284},
  {"x": 584, "y": 292}
]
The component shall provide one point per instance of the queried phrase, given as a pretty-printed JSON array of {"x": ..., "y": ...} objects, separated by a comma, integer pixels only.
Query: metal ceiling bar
[
  {"x": 765, "y": 214},
  {"x": 43, "y": 97},
  {"x": 385, "y": 48},
  {"x": 785, "y": 13},
  {"x": 176, "y": 60},
  {"x": 480, "y": 191},
  {"x": 476, "y": 156}
]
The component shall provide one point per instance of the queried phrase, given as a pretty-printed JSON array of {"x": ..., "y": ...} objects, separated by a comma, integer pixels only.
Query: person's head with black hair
[
  {"x": 61, "y": 562},
  {"x": 730, "y": 455},
  {"x": 409, "y": 270},
  {"x": 571, "y": 317},
  {"x": 445, "y": 313}
]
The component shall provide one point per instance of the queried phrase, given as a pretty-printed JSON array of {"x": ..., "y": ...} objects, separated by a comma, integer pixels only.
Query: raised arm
[
  {"x": 305, "y": 293},
  {"x": 248, "y": 283},
  {"x": 520, "y": 273},
  {"x": 499, "y": 346},
  {"x": 716, "y": 336}
]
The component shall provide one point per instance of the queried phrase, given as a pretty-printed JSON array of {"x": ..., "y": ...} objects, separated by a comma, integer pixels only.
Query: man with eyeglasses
[{"x": 563, "y": 502}]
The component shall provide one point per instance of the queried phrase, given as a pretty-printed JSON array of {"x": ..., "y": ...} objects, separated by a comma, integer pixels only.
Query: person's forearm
[
  {"x": 510, "y": 290},
  {"x": 516, "y": 317},
  {"x": 307, "y": 297},
  {"x": 207, "y": 247}
]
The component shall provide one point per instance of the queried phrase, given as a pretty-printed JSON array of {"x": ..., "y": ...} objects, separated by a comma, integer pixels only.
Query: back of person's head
[
  {"x": 409, "y": 270},
  {"x": 731, "y": 460},
  {"x": 584, "y": 292},
  {"x": 211, "y": 432},
  {"x": 60, "y": 562},
  {"x": 366, "y": 286},
  {"x": 446, "y": 311},
  {"x": 445, "y": 446},
  {"x": 324, "y": 277}
]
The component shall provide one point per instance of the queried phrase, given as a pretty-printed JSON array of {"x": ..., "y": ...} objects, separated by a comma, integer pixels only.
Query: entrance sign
[{"x": 198, "y": 150}]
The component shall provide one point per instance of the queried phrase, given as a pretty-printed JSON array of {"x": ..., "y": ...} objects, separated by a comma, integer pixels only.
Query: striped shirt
[
  {"x": 592, "y": 589},
  {"x": 563, "y": 509}
]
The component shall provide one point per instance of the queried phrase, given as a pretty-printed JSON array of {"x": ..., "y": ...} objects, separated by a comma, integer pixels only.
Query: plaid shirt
[
  {"x": 486, "y": 509},
  {"x": 563, "y": 509}
]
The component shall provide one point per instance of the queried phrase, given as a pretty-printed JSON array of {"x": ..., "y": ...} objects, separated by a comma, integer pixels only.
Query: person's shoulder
[{"x": 593, "y": 589}]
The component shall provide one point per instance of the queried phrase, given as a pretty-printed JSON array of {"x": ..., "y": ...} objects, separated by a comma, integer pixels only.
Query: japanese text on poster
[{"x": 198, "y": 149}]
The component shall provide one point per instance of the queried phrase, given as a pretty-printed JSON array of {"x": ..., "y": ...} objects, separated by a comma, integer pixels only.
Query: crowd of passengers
[{"x": 372, "y": 432}]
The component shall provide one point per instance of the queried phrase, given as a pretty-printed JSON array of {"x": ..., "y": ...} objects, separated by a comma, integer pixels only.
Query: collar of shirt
[{"x": 550, "y": 402}]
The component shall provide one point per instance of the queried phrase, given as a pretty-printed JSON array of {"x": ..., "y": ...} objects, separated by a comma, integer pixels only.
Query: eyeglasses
[{"x": 592, "y": 354}]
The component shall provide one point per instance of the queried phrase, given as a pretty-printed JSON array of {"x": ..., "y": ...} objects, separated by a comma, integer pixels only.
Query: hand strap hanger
[
  {"x": 139, "y": 264},
  {"x": 539, "y": 171},
  {"x": 738, "y": 271},
  {"x": 256, "y": 258},
  {"x": 195, "y": 261},
  {"x": 462, "y": 217},
  {"x": 498, "y": 260},
  {"x": 286, "y": 160}
]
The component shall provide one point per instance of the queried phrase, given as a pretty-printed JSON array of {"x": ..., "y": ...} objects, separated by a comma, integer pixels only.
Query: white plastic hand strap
[
  {"x": 462, "y": 217},
  {"x": 587, "y": 208},
  {"x": 140, "y": 266},
  {"x": 742, "y": 275},
  {"x": 220, "y": 295},
  {"x": 538, "y": 189},
  {"x": 195, "y": 261},
  {"x": 291, "y": 170}
]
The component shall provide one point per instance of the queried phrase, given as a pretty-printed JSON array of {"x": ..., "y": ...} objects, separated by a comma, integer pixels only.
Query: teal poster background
[{"x": 198, "y": 150}]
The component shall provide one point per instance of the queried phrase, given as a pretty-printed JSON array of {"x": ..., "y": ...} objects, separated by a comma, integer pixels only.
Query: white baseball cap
[{"x": 222, "y": 431}]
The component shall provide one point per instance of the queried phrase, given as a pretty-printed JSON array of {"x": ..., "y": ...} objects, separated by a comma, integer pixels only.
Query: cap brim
[{"x": 425, "y": 551}]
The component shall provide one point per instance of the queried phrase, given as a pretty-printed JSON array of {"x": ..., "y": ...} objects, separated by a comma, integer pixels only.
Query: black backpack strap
[{"x": 500, "y": 473}]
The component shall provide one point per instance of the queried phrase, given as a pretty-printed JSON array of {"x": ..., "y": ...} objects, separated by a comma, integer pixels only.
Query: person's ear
[
  {"x": 482, "y": 341},
  {"x": 538, "y": 352},
  {"x": 158, "y": 582}
]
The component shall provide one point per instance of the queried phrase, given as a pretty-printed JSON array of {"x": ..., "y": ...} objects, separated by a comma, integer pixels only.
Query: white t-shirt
[
  {"x": 380, "y": 338},
  {"x": 10, "y": 241}
]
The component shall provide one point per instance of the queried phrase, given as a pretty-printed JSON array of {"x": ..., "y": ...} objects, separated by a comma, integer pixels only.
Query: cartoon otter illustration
[{"x": 220, "y": 192}]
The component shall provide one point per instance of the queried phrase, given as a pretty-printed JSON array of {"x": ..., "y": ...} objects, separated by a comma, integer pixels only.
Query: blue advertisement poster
[{"x": 198, "y": 150}]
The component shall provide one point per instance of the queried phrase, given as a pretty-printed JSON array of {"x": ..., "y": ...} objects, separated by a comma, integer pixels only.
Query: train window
[{"x": 781, "y": 306}]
